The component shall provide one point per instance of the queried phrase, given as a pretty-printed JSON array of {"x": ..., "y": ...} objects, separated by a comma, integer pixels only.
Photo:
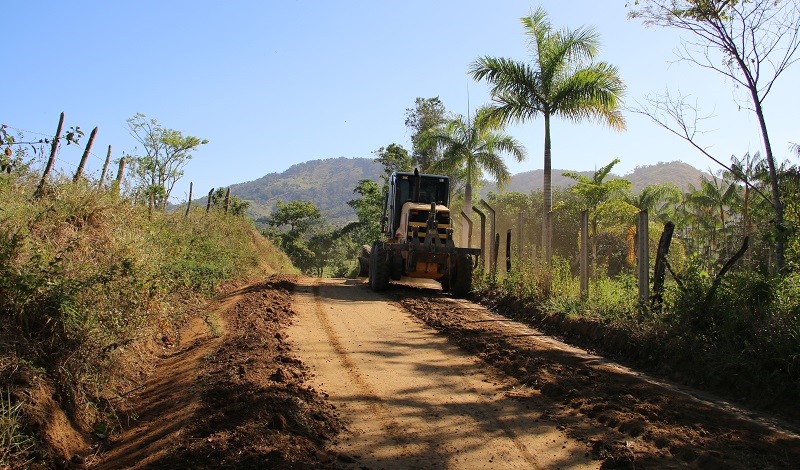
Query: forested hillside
[
  {"x": 679, "y": 173},
  {"x": 329, "y": 184}
]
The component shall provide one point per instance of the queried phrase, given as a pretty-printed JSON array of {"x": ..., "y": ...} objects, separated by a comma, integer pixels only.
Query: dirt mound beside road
[
  {"x": 629, "y": 420},
  {"x": 232, "y": 396}
]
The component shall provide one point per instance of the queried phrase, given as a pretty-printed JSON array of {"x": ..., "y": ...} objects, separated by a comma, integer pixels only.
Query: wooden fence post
[
  {"x": 492, "y": 223},
  {"x": 85, "y": 156},
  {"x": 584, "y": 261},
  {"x": 189, "y": 204},
  {"x": 660, "y": 268},
  {"x": 120, "y": 172},
  {"x": 52, "y": 159},
  {"x": 495, "y": 249},
  {"x": 208, "y": 203},
  {"x": 105, "y": 168},
  {"x": 508, "y": 251},
  {"x": 643, "y": 266}
]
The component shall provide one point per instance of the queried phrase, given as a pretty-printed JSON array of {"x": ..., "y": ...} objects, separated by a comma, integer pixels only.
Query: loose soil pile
[
  {"x": 231, "y": 397},
  {"x": 627, "y": 421}
]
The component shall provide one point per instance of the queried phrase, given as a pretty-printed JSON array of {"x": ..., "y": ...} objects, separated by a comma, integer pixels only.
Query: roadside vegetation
[
  {"x": 726, "y": 313},
  {"x": 95, "y": 282}
]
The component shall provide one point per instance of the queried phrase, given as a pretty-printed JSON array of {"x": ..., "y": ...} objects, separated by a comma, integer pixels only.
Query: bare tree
[{"x": 752, "y": 42}]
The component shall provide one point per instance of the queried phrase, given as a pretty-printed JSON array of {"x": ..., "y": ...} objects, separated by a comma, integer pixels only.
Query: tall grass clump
[{"x": 90, "y": 282}]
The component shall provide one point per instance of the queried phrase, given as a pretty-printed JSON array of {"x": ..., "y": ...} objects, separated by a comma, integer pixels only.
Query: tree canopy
[
  {"x": 165, "y": 154},
  {"x": 561, "y": 79}
]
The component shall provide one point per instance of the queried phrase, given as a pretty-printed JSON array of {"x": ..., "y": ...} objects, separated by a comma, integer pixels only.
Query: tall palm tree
[
  {"x": 561, "y": 80},
  {"x": 474, "y": 147}
]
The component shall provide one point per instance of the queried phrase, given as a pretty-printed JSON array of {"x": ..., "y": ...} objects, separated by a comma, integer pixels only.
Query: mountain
[{"x": 329, "y": 183}]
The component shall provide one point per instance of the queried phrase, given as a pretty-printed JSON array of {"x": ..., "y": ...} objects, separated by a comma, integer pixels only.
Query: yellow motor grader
[{"x": 417, "y": 237}]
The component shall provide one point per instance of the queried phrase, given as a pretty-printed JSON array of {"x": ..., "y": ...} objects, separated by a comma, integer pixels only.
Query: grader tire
[
  {"x": 380, "y": 268},
  {"x": 462, "y": 276}
]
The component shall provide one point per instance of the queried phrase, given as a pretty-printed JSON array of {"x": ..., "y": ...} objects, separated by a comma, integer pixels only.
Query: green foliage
[
  {"x": 236, "y": 205},
  {"x": 393, "y": 158},
  {"x": 88, "y": 279},
  {"x": 289, "y": 225},
  {"x": 166, "y": 153},
  {"x": 369, "y": 210},
  {"x": 473, "y": 147},
  {"x": 298, "y": 215},
  {"x": 427, "y": 114}
]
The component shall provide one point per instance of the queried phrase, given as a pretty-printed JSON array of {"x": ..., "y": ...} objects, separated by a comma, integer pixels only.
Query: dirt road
[
  {"x": 304, "y": 373},
  {"x": 487, "y": 392},
  {"x": 410, "y": 399}
]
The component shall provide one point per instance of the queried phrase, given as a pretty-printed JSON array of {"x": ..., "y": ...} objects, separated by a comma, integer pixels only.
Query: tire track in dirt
[
  {"x": 392, "y": 428},
  {"x": 376, "y": 405},
  {"x": 409, "y": 397}
]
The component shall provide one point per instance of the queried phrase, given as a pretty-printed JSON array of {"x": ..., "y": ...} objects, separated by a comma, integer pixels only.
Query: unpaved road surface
[
  {"x": 486, "y": 392},
  {"x": 411, "y": 399},
  {"x": 302, "y": 373}
]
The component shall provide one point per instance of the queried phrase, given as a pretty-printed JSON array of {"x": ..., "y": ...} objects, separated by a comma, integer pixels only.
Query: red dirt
[{"x": 241, "y": 399}]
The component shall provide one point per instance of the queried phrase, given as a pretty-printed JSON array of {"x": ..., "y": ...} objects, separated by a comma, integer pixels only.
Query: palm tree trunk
[{"x": 547, "y": 235}]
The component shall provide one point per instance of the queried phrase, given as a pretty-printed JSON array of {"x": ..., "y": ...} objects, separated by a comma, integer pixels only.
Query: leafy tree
[
  {"x": 166, "y": 153},
  {"x": 475, "y": 147},
  {"x": 238, "y": 206},
  {"x": 289, "y": 224},
  {"x": 369, "y": 210},
  {"x": 749, "y": 42},
  {"x": 298, "y": 215},
  {"x": 427, "y": 114},
  {"x": 393, "y": 158},
  {"x": 561, "y": 80}
]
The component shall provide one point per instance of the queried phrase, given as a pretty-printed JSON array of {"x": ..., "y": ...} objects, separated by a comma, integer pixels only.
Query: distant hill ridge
[
  {"x": 329, "y": 183},
  {"x": 679, "y": 173}
]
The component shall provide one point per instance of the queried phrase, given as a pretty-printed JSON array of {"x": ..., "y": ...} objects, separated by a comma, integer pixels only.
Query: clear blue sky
[{"x": 274, "y": 83}]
